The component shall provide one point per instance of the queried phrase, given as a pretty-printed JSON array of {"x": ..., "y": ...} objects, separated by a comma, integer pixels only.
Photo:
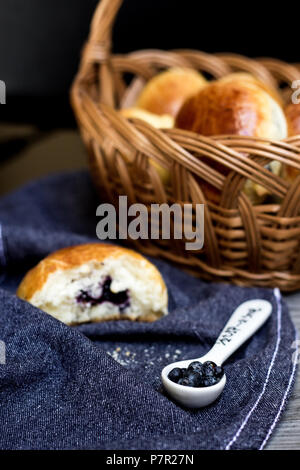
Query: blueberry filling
[
  {"x": 197, "y": 374},
  {"x": 121, "y": 299}
]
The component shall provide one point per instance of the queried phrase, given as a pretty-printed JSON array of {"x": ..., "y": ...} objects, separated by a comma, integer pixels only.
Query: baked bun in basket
[
  {"x": 236, "y": 107},
  {"x": 96, "y": 282},
  {"x": 292, "y": 114},
  {"x": 167, "y": 91}
]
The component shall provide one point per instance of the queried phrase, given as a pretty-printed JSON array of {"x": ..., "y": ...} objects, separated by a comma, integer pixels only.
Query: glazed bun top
[
  {"x": 167, "y": 91},
  {"x": 292, "y": 114},
  {"x": 233, "y": 107},
  {"x": 243, "y": 77}
]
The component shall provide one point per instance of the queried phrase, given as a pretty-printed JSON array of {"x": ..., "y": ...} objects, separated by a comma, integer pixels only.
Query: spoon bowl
[{"x": 243, "y": 323}]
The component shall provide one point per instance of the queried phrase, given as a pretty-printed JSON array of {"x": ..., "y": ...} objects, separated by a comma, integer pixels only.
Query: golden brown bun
[
  {"x": 235, "y": 108},
  {"x": 164, "y": 121},
  {"x": 292, "y": 114},
  {"x": 71, "y": 257},
  {"x": 167, "y": 91},
  {"x": 82, "y": 267},
  {"x": 67, "y": 258}
]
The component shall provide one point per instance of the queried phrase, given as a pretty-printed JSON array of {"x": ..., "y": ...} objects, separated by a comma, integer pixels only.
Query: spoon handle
[{"x": 243, "y": 323}]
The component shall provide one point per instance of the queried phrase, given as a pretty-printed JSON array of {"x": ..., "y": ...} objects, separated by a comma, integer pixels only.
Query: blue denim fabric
[{"x": 59, "y": 389}]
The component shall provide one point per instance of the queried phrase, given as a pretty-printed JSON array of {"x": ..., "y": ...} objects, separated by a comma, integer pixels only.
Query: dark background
[{"x": 40, "y": 43}]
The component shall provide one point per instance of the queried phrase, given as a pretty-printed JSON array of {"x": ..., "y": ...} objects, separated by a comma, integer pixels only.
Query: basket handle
[
  {"x": 99, "y": 46},
  {"x": 103, "y": 21}
]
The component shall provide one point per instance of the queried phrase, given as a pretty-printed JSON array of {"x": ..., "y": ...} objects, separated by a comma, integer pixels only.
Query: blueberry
[
  {"x": 209, "y": 381},
  {"x": 185, "y": 372},
  {"x": 196, "y": 366},
  {"x": 219, "y": 372},
  {"x": 175, "y": 374},
  {"x": 194, "y": 379},
  {"x": 184, "y": 381},
  {"x": 209, "y": 369}
]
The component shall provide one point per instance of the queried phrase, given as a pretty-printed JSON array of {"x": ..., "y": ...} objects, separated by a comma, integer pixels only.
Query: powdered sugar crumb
[{"x": 148, "y": 356}]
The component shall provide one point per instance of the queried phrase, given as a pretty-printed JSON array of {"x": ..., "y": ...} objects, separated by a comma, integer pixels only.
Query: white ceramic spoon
[{"x": 243, "y": 323}]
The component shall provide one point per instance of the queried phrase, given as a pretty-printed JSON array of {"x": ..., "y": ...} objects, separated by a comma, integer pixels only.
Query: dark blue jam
[{"x": 121, "y": 299}]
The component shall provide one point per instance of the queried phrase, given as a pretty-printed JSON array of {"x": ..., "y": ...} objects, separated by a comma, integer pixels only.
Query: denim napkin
[{"x": 97, "y": 386}]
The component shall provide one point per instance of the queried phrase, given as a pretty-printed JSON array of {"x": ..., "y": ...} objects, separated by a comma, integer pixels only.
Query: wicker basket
[{"x": 244, "y": 244}]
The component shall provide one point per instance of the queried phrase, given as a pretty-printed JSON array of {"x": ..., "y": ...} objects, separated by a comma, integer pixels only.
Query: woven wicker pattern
[{"x": 244, "y": 244}]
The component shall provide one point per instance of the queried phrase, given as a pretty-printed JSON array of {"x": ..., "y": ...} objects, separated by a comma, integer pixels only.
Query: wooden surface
[
  {"x": 286, "y": 435},
  {"x": 63, "y": 150}
]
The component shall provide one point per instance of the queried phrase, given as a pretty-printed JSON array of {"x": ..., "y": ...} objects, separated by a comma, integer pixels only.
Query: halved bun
[{"x": 96, "y": 282}]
